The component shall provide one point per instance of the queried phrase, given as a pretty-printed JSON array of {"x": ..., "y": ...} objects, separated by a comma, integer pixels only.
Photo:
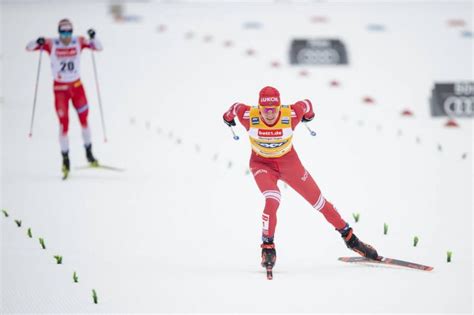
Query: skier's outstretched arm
[
  {"x": 91, "y": 43},
  {"x": 240, "y": 111},
  {"x": 303, "y": 112},
  {"x": 39, "y": 43}
]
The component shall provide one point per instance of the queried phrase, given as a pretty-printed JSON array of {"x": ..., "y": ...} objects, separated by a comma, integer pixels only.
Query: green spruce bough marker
[
  {"x": 415, "y": 241},
  {"x": 30, "y": 235},
  {"x": 385, "y": 228},
  {"x": 356, "y": 217},
  {"x": 42, "y": 243},
  {"x": 59, "y": 259},
  {"x": 5, "y": 213},
  {"x": 18, "y": 223},
  {"x": 75, "y": 278},
  {"x": 94, "y": 296},
  {"x": 449, "y": 254}
]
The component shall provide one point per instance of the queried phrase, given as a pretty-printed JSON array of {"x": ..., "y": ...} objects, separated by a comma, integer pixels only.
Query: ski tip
[
  {"x": 386, "y": 261},
  {"x": 346, "y": 259},
  {"x": 425, "y": 268},
  {"x": 100, "y": 166}
]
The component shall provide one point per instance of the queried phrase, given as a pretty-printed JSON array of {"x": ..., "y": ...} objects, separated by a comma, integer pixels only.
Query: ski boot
[
  {"x": 352, "y": 242},
  {"x": 268, "y": 258},
  {"x": 90, "y": 157},
  {"x": 66, "y": 164}
]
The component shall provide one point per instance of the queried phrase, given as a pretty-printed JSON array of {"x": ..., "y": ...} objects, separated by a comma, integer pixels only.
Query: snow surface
[{"x": 179, "y": 230}]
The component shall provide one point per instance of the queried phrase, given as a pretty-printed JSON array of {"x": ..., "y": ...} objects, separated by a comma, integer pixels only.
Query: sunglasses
[
  {"x": 269, "y": 109},
  {"x": 65, "y": 33}
]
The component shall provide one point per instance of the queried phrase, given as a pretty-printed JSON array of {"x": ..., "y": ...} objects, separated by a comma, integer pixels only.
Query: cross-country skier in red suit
[
  {"x": 65, "y": 55},
  {"x": 270, "y": 126}
]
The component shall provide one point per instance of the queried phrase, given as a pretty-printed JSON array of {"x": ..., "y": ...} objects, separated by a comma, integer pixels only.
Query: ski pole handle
[
  {"x": 36, "y": 94},
  {"x": 236, "y": 137},
  {"x": 312, "y": 132}
]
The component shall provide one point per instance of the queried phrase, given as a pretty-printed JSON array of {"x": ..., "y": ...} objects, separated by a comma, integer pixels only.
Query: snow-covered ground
[{"x": 179, "y": 230}]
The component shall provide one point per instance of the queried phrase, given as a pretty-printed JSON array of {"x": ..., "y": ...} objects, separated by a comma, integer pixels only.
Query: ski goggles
[{"x": 269, "y": 109}]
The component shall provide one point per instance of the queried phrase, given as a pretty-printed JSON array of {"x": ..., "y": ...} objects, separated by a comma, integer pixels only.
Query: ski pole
[
  {"x": 98, "y": 96},
  {"x": 236, "y": 137},
  {"x": 313, "y": 133},
  {"x": 36, "y": 94}
]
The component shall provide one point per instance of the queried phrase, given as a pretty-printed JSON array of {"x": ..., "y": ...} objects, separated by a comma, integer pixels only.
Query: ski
[
  {"x": 269, "y": 272},
  {"x": 105, "y": 167},
  {"x": 65, "y": 175},
  {"x": 386, "y": 261}
]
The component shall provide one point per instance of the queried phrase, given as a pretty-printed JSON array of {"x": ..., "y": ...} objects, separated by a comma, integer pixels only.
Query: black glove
[
  {"x": 229, "y": 123},
  {"x": 40, "y": 41},
  {"x": 91, "y": 33},
  {"x": 307, "y": 119}
]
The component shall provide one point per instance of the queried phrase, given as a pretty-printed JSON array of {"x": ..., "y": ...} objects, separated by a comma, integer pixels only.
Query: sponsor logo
[
  {"x": 260, "y": 171},
  {"x": 326, "y": 56},
  {"x": 265, "y": 133},
  {"x": 255, "y": 120},
  {"x": 319, "y": 43},
  {"x": 318, "y": 52},
  {"x": 268, "y": 99},
  {"x": 459, "y": 106},
  {"x": 66, "y": 52},
  {"x": 271, "y": 145},
  {"x": 453, "y": 99},
  {"x": 285, "y": 120},
  {"x": 305, "y": 176},
  {"x": 265, "y": 221},
  {"x": 464, "y": 88}
]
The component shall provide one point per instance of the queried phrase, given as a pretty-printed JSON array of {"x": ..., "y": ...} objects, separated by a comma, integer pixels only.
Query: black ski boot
[
  {"x": 90, "y": 157},
  {"x": 268, "y": 258},
  {"x": 66, "y": 164},
  {"x": 352, "y": 242}
]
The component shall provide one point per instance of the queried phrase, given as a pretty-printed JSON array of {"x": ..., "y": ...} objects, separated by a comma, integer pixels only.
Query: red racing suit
[
  {"x": 65, "y": 66},
  {"x": 273, "y": 158}
]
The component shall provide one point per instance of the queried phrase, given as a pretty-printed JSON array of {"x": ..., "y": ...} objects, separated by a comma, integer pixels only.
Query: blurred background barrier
[{"x": 318, "y": 52}]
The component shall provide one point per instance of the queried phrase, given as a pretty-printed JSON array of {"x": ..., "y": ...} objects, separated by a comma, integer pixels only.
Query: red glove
[
  {"x": 230, "y": 115},
  {"x": 309, "y": 115},
  {"x": 228, "y": 122}
]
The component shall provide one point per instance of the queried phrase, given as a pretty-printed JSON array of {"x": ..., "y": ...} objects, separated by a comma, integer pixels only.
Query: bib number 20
[{"x": 69, "y": 66}]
